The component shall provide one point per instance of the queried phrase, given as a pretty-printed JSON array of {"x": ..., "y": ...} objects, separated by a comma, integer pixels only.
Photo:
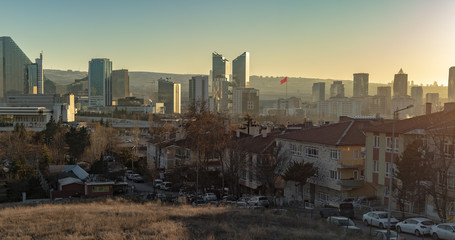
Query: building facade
[
  {"x": 241, "y": 70},
  {"x": 169, "y": 93},
  {"x": 199, "y": 89},
  {"x": 100, "y": 82},
  {"x": 120, "y": 84},
  {"x": 318, "y": 92},
  {"x": 337, "y": 89},
  {"x": 400, "y": 84},
  {"x": 360, "y": 85},
  {"x": 245, "y": 101},
  {"x": 13, "y": 64},
  {"x": 451, "y": 84}
]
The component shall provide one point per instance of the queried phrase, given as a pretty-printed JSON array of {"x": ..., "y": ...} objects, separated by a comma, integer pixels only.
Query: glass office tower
[{"x": 100, "y": 82}]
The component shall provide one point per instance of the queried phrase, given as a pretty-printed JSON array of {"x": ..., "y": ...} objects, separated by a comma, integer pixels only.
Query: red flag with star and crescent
[{"x": 284, "y": 80}]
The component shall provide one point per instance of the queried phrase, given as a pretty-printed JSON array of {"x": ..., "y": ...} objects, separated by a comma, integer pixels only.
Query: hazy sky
[{"x": 317, "y": 38}]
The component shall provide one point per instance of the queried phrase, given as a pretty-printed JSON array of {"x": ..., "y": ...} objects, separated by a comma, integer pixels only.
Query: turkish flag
[{"x": 284, "y": 80}]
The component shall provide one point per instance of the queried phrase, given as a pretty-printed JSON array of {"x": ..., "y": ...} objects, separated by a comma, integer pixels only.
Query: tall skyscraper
[
  {"x": 220, "y": 67},
  {"x": 400, "y": 84},
  {"x": 452, "y": 84},
  {"x": 360, "y": 84},
  {"x": 35, "y": 76},
  {"x": 241, "y": 70},
  {"x": 220, "y": 92},
  {"x": 337, "y": 89},
  {"x": 169, "y": 93},
  {"x": 120, "y": 84},
  {"x": 12, "y": 68},
  {"x": 199, "y": 89},
  {"x": 100, "y": 82},
  {"x": 245, "y": 101},
  {"x": 318, "y": 92}
]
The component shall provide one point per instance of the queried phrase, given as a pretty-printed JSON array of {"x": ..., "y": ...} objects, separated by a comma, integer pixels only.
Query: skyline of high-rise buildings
[{"x": 100, "y": 82}]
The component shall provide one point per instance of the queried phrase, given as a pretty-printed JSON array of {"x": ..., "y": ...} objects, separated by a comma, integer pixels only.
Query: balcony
[
  {"x": 350, "y": 183},
  {"x": 351, "y": 163}
]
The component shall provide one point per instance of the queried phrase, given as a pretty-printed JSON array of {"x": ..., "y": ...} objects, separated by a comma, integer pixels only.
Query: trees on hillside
[{"x": 77, "y": 140}]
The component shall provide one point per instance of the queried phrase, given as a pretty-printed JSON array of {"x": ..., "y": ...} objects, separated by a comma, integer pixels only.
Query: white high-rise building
[
  {"x": 245, "y": 101},
  {"x": 241, "y": 70}
]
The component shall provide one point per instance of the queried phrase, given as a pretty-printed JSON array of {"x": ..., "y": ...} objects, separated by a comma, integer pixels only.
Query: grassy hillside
[{"x": 121, "y": 219}]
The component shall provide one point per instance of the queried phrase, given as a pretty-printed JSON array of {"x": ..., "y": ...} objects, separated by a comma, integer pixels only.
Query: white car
[
  {"x": 418, "y": 226},
  {"x": 378, "y": 219},
  {"x": 382, "y": 235},
  {"x": 209, "y": 197},
  {"x": 259, "y": 201},
  {"x": 443, "y": 231}
]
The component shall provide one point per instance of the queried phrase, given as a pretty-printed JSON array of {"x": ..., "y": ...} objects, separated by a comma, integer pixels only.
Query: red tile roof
[{"x": 348, "y": 133}]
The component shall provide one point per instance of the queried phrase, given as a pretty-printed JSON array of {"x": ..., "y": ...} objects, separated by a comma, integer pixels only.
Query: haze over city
[{"x": 319, "y": 39}]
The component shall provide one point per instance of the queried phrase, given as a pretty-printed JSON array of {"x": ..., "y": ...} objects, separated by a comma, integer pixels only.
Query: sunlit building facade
[
  {"x": 360, "y": 84},
  {"x": 13, "y": 64},
  {"x": 400, "y": 84},
  {"x": 120, "y": 84},
  {"x": 452, "y": 84},
  {"x": 337, "y": 89}
]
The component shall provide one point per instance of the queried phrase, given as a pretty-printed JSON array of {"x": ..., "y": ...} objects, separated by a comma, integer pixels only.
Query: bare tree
[{"x": 270, "y": 166}]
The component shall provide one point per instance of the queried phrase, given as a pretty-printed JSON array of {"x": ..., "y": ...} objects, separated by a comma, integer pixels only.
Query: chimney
[
  {"x": 450, "y": 106},
  {"x": 264, "y": 133},
  {"x": 428, "y": 108}
]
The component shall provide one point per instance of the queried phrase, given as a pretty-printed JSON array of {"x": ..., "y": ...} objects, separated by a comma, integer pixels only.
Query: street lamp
[{"x": 389, "y": 215}]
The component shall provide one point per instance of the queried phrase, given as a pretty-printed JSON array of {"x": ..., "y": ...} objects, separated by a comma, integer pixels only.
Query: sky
[{"x": 300, "y": 38}]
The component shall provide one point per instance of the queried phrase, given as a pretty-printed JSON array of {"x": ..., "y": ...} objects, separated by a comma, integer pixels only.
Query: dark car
[{"x": 345, "y": 209}]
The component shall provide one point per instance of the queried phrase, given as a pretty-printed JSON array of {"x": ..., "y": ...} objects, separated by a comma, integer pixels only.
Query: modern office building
[
  {"x": 245, "y": 101},
  {"x": 318, "y": 92},
  {"x": 13, "y": 64},
  {"x": 100, "y": 82},
  {"x": 120, "y": 84},
  {"x": 400, "y": 84},
  {"x": 360, "y": 84},
  {"x": 34, "y": 76},
  {"x": 452, "y": 84},
  {"x": 220, "y": 94},
  {"x": 220, "y": 67},
  {"x": 199, "y": 89},
  {"x": 241, "y": 70},
  {"x": 433, "y": 98},
  {"x": 169, "y": 93},
  {"x": 417, "y": 95},
  {"x": 337, "y": 89}
]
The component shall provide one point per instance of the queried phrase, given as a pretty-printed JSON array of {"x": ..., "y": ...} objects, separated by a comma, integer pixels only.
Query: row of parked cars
[{"x": 418, "y": 226}]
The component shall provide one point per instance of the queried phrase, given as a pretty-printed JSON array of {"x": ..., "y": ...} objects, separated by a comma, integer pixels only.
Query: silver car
[
  {"x": 259, "y": 201},
  {"x": 378, "y": 219},
  {"x": 418, "y": 226},
  {"x": 443, "y": 231}
]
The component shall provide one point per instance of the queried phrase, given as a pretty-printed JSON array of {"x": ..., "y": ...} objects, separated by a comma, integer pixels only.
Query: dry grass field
[{"x": 122, "y": 219}]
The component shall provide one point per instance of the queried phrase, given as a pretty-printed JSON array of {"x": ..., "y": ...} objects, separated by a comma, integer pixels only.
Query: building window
[
  {"x": 375, "y": 166},
  {"x": 387, "y": 169},
  {"x": 448, "y": 149},
  {"x": 356, "y": 154},
  {"x": 376, "y": 142},
  {"x": 335, "y": 154},
  {"x": 312, "y": 152},
  {"x": 389, "y": 144},
  {"x": 451, "y": 180},
  {"x": 296, "y": 149},
  {"x": 322, "y": 196},
  {"x": 250, "y": 105},
  {"x": 334, "y": 174}
]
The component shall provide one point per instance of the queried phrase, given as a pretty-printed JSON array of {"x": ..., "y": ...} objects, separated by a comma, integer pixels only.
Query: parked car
[
  {"x": 229, "y": 199},
  {"x": 378, "y": 219},
  {"x": 158, "y": 183},
  {"x": 259, "y": 201},
  {"x": 369, "y": 201},
  {"x": 128, "y": 172},
  {"x": 137, "y": 178},
  {"x": 161, "y": 196},
  {"x": 198, "y": 201},
  {"x": 345, "y": 209},
  {"x": 166, "y": 186},
  {"x": 444, "y": 231},
  {"x": 418, "y": 226},
  {"x": 382, "y": 235},
  {"x": 344, "y": 223},
  {"x": 209, "y": 197},
  {"x": 130, "y": 176}
]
